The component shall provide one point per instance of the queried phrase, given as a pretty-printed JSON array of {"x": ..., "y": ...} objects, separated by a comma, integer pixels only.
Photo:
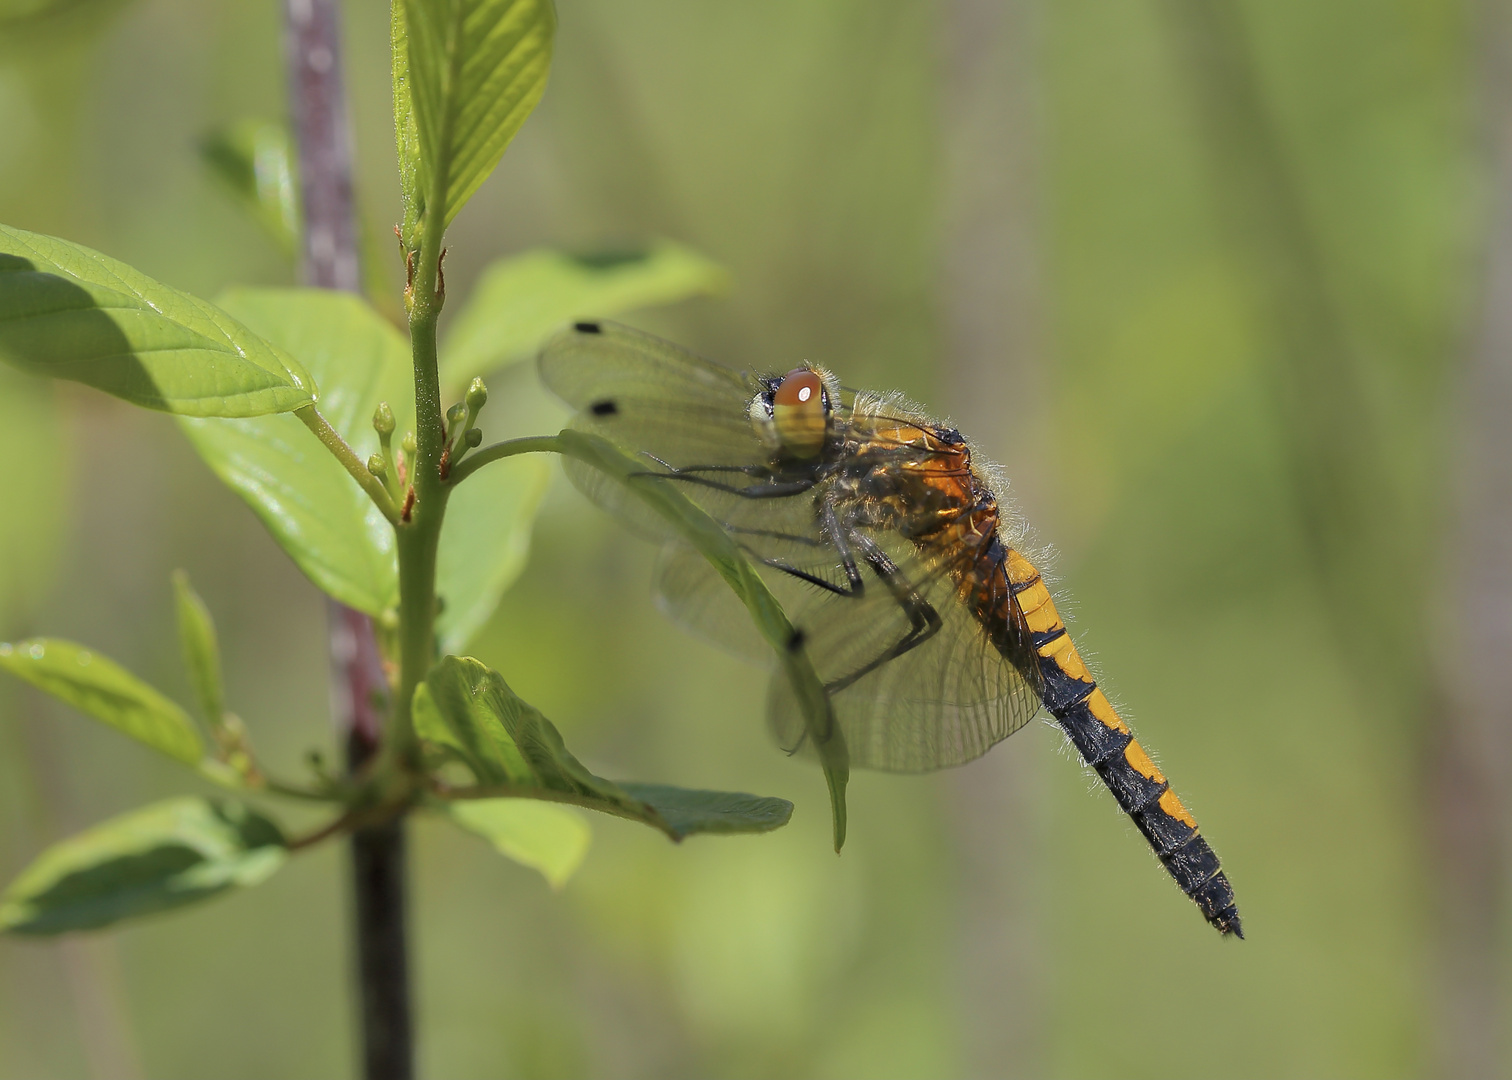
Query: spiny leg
[
  {"x": 924, "y": 620},
  {"x": 855, "y": 584}
]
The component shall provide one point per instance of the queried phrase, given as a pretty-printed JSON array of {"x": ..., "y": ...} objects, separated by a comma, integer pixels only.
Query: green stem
[
  {"x": 534, "y": 444},
  {"x": 349, "y": 460},
  {"x": 419, "y": 530}
]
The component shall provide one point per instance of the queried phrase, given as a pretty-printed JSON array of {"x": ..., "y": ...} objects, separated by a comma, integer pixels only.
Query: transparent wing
[
  {"x": 692, "y": 594},
  {"x": 652, "y": 397},
  {"x": 655, "y": 400},
  {"x": 944, "y": 701}
]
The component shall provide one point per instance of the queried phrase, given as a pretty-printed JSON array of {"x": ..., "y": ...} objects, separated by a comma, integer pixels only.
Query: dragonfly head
[{"x": 792, "y": 412}]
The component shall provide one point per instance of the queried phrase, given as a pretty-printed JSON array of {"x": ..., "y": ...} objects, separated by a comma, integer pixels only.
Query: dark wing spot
[
  {"x": 588, "y": 328},
  {"x": 604, "y": 408},
  {"x": 795, "y": 642}
]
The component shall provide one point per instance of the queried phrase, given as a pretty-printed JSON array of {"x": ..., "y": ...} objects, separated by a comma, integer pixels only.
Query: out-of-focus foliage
[
  {"x": 255, "y": 159},
  {"x": 164, "y": 856},
  {"x": 551, "y": 839},
  {"x": 518, "y": 301},
  {"x": 988, "y": 921},
  {"x": 101, "y": 688}
]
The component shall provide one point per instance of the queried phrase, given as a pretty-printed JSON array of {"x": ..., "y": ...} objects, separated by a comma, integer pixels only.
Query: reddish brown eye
[
  {"x": 799, "y": 387},
  {"x": 798, "y": 413}
]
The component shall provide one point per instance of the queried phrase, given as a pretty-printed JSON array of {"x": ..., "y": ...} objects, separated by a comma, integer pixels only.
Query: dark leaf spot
[
  {"x": 604, "y": 408},
  {"x": 610, "y": 260},
  {"x": 588, "y": 328}
]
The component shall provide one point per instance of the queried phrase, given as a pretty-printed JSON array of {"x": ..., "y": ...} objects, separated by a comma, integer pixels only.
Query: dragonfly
[{"x": 881, "y": 533}]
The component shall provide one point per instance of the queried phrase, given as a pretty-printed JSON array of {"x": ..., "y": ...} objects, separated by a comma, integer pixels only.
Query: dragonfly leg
[
  {"x": 924, "y": 620},
  {"x": 773, "y": 534},
  {"x": 749, "y": 470},
  {"x": 855, "y": 585},
  {"x": 780, "y": 490}
]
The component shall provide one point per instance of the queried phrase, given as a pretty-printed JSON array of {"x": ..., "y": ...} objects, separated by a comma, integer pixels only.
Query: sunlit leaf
[
  {"x": 469, "y": 713},
  {"x": 201, "y": 651},
  {"x": 162, "y": 856},
  {"x": 313, "y": 508},
  {"x": 255, "y": 160},
  {"x": 703, "y": 533},
  {"x": 484, "y": 544},
  {"x": 466, "y": 75},
  {"x": 71, "y": 313},
  {"x": 545, "y": 837},
  {"x": 106, "y": 691},
  {"x": 520, "y": 300}
]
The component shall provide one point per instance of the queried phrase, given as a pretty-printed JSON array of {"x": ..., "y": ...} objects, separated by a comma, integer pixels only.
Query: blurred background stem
[
  {"x": 1473, "y": 738},
  {"x": 329, "y": 259},
  {"x": 989, "y": 291}
]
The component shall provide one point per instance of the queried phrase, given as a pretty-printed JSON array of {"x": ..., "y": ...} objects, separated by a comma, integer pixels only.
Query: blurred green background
[{"x": 1202, "y": 277}]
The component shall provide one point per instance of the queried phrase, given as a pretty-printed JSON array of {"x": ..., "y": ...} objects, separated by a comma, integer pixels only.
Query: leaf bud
[
  {"x": 477, "y": 396},
  {"x": 383, "y": 420},
  {"x": 409, "y": 445},
  {"x": 473, "y": 438},
  {"x": 377, "y": 466}
]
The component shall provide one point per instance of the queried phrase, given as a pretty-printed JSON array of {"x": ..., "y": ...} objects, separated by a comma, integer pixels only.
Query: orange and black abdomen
[{"x": 1105, "y": 742}]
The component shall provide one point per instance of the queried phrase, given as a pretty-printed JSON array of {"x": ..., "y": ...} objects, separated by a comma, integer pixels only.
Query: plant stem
[
  {"x": 317, "y": 105},
  {"x": 533, "y": 444},
  {"x": 349, "y": 460}
]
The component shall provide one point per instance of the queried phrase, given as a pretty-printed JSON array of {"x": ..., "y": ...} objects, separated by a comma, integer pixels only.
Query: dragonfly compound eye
[{"x": 799, "y": 413}]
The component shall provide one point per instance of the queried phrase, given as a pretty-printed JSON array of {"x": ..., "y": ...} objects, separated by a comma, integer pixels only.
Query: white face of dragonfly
[{"x": 792, "y": 415}]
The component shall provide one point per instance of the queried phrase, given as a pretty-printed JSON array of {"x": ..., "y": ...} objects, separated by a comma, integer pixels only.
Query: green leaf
[
  {"x": 551, "y": 839},
  {"x": 162, "y": 856},
  {"x": 313, "y": 508},
  {"x": 71, "y": 313},
  {"x": 201, "y": 651},
  {"x": 484, "y": 544},
  {"x": 466, "y": 75},
  {"x": 255, "y": 160},
  {"x": 520, "y": 300},
  {"x": 469, "y": 713},
  {"x": 707, "y": 536},
  {"x": 106, "y": 691},
  {"x": 689, "y": 811}
]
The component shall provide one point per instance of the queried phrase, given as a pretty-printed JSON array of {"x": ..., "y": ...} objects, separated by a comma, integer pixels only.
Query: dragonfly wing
[
  {"x": 693, "y": 595},
  {"x": 944, "y": 701},
  {"x": 651, "y": 396},
  {"x": 655, "y": 400}
]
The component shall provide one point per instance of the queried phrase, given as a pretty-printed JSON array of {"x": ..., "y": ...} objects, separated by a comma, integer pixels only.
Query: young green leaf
[
  {"x": 71, "y": 313},
  {"x": 201, "y": 651},
  {"x": 255, "y": 160},
  {"x": 466, "y": 75},
  {"x": 484, "y": 544},
  {"x": 687, "y": 810},
  {"x": 468, "y": 712},
  {"x": 544, "y": 837},
  {"x": 106, "y": 691},
  {"x": 162, "y": 856},
  {"x": 327, "y": 524},
  {"x": 522, "y": 299}
]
